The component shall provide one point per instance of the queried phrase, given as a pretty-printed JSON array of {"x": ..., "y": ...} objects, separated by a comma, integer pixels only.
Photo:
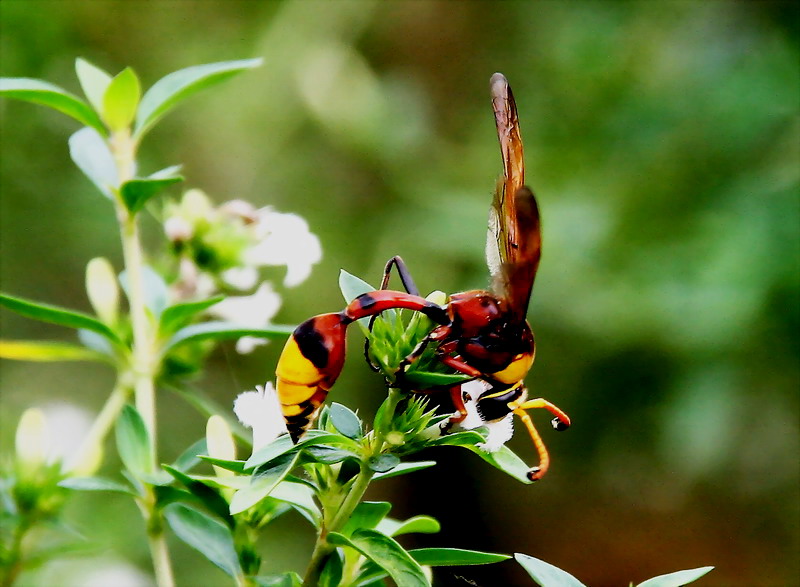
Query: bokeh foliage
[{"x": 662, "y": 139}]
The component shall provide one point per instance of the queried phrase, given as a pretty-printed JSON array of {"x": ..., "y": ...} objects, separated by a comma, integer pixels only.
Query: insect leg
[{"x": 560, "y": 422}]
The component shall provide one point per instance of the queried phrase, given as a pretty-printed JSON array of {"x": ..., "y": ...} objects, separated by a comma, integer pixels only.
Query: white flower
[
  {"x": 499, "y": 431},
  {"x": 284, "y": 239},
  {"x": 178, "y": 229},
  {"x": 261, "y": 411},
  {"x": 253, "y": 311}
]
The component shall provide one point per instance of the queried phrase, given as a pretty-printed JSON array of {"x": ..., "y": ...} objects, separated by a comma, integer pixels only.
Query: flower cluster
[{"x": 221, "y": 249}]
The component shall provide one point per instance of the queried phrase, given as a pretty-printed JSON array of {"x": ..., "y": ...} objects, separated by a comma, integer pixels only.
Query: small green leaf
[
  {"x": 677, "y": 578},
  {"x": 208, "y": 496},
  {"x": 261, "y": 486},
  {"x": 284, "y": 445},
  {"x": 178, "y": 315},
  {"x": 89, "y": 151},
  {"x": 352, "y": 287},
  {"x": 95, "y": 484},
  {"x": 235, "y": 466},
  {"x": 384, "y": 463},
  {"x": 387, "y": 554},
  {"x": 332, "y": 571},
  {"x": 205, "y": 534},
  {"x": 121, "y": 99},
  {"x": 172, "y": 89},
  {"x": 221, "y": 330},
  {"x": 47, "y": 94},
  {"x": 301, "y": 498},
  {"x": 450, "y": 557},
  {"x": 345, "y": 420},
  {"x": 189, "y": 458},
  {"x": 290, "y": 579},
  {"x": 94, "y": 82},
  {"x": 415, "y": 525},
  {"x": 56, "y": 315},
  {"x": 133, "y": 442},
  {"x": 546, "y": 574},
  {"x": 136, "y": 192},
  {"x": 404, "y": 468},
  {"x": 367, "y": 514},
  {"x": 24, "y": 350}
]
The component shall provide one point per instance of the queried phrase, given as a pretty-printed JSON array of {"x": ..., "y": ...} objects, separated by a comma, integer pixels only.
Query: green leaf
[
  {"x": 235, "y": 466},
  {"x": 56, "y": 315},
  {"x": 345, "y": 420},
  {"x": 95, "y": 484},
  {"x": 206, "y": 535},
  {"x": 504, "y": 458},
  {"x": 121, "y": 99},
  {"x": 450, "y": 557},
  {"x": 290, "y": 579},
  {"x": 332, "y": 571},
  {"x": 677, "y": 578},
  {"x": 94, "y": 82},
  {"x": 190, "y": 457},
  {"x": 261, "y": 486},
  {"x": 207, "y": 495},
  {"x": 404, "y": 468},
  {"x": 89, "y": 151},
  {"x": 384, "y": 463},
  {"x": 301, "y": 498},
  {"x": 167, "y": 92},
  {"x": 415, "y": 525},
  {"x": 178, "y": 315},
  {"x": 367, "y": 514},
  {"x": 133, "y": 442},
  {"x": 283, "y": 445},
  {"x": 387, "y": 554},
  {"x": 24, "y": 350},
  {"x": 546, "y": 574},
  {"x": 221, "y": 330},
  {"x": 47, "y": 94},
  {"x": 136, "y": 192}
]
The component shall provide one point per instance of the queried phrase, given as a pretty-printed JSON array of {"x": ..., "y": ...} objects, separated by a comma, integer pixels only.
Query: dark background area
[{"x": 662, "y": 141}]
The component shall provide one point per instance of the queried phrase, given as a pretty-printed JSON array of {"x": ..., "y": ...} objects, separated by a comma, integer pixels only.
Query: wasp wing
[{"x": 513, "y": 244}]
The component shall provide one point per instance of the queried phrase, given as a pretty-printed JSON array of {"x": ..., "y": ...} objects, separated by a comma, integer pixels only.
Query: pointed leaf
[
  {"x": 121, "y": 99},
  {"x": 261, "y": 486},
  {"x": 24, "y": 350},
  {"x": 47, "y": 94},
  {"x": 676, "y": 579},
  {"x": 133, "y": 442},
  {"x": 89, "y": 151},
  {"x": 221, "y": 330},
  {"x": 208, "y": 496},
  {"x": 404, "y": 468},
  {"x": 175, "y": 317},
  {"x": 352, "y": 287},
  {"x": 56, "y": 315},
  {"x": 94, "y": 82},
  {"x": 546, "y": 574},
  {"x": 172, "y": 89},
  {"x": 290, "y": 579},
  {"x": 189, "y": 458},
  {"x": 203, "y": 533},
  {"x": 387, "y": 554},
  {"x": 301, "y": 498},
  {"x": 235, "y": 466},
  {"x": 136, "y": 192},
  {"x": 345, "y": 420},
  {"x": 415, "y": 525},
  {"x": 384, "y": 463},
  {"x": 332, "y": 571},
  {"x": 449, "y": 557},
  {"x": 95, "y": 484},
  {"x": 367, "y": 514}
]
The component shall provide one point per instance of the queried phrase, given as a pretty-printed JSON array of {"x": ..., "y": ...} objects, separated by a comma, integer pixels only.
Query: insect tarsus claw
[
  {"x": 559, "y": 424},
  {"x": 534, "y": 474}
]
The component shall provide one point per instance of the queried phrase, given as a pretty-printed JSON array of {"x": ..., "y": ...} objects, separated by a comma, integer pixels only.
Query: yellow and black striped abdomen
[{"x": 308, "y": 367}]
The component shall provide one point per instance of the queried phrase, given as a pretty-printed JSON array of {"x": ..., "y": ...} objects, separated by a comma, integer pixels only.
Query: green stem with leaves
[{"x": 144, "y": 359}]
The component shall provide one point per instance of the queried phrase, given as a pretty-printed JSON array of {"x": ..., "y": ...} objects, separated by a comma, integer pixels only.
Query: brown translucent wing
[{"x": 513, "y": 244}]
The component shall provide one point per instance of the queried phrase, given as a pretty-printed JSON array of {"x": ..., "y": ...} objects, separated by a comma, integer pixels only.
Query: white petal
[
  {"x": 247, "y": 344},
  {"x": 261, "y": 411},
  {"x": 255, "y": 310},
  {"x": 242, "y": 278}
]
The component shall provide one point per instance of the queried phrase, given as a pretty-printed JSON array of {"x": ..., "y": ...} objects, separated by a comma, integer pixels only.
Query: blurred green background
[{"x": 662, "y": 139}]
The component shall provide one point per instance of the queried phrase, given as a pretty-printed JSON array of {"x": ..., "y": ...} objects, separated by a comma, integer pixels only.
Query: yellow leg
[{"x": 560, "y": 422}]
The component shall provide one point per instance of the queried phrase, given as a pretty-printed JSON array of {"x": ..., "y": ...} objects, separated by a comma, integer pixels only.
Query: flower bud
[{"x": 102, "y": 289}]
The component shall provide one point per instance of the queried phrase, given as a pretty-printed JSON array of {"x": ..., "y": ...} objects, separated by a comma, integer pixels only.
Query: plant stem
[
  {"x": 84, "y": 461},
  {"x": 145, "y": 361},
  {"x": 323, "y": 548}
]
